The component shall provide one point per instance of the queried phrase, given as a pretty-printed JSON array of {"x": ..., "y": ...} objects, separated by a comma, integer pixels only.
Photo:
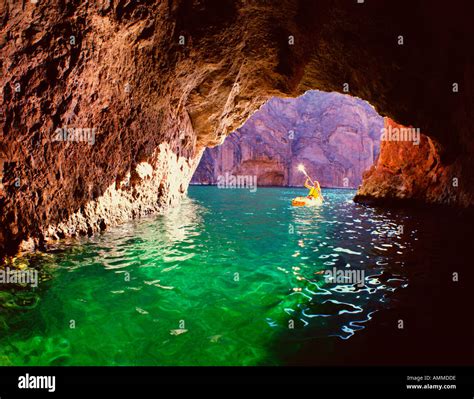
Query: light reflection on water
[{"x": 231, "y": 277}]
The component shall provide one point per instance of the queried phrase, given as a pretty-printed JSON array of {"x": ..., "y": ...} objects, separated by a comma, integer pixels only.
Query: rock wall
[
  {"x": 179, "y": 75},
  {"x": 409, "y": 170},
  {"x": 336, "y": 137}
]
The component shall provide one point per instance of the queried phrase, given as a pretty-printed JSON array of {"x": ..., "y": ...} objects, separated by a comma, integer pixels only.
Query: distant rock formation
[{"x": 336, "y": 137}]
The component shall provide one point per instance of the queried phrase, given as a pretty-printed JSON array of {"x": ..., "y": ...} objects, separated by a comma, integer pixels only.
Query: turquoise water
[{"x": 229, "y": 278}]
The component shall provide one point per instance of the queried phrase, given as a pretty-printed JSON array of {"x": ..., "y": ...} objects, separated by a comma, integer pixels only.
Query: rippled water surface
[{"x": 229, "y": 278}]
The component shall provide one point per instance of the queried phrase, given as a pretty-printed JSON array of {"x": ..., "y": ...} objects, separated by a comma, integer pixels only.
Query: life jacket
[{"x": 313, "y": 192}]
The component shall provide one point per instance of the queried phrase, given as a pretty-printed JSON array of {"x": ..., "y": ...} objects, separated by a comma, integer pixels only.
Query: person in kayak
[{"x": 314, "y": 190}]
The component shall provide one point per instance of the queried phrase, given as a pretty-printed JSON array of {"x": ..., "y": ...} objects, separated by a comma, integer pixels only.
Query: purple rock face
[{"x": 336, "y": 137}]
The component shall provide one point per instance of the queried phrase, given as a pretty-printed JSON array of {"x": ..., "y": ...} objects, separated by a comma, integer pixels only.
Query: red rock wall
[
  {"x": 407, "y": 170},
  {"x": 335, "y": 136}
]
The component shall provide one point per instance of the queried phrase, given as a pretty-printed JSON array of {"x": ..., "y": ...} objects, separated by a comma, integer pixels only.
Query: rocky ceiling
[{"x": 107, "y": 105}]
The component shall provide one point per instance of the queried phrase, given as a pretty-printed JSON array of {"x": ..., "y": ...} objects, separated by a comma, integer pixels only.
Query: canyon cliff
[
  {"x": 108, "y": 105},
  {"x": 336, "y": 137},
  {"x": 411, "y": 171}
]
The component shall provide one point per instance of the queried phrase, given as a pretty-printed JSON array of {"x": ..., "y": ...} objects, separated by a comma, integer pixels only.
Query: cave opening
[{"x": 335, "y": 136}]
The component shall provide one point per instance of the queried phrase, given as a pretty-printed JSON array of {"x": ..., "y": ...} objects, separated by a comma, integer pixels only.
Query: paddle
[{"x": 302, "y": 169}]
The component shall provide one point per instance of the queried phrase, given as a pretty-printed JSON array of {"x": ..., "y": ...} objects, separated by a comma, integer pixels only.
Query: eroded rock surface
[
  {"x": 336, "y": 137},
  {"x": 412, "y": 170},
  {"x": 171, "y": 77}
]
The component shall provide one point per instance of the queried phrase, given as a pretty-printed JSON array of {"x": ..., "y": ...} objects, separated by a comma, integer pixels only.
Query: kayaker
[{"x": 314, "y": 190}]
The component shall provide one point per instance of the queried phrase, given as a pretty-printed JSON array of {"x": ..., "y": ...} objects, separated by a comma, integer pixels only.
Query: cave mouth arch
[
  {"x": 336, "y": 136},
  {"x": 160, "y": 84}
]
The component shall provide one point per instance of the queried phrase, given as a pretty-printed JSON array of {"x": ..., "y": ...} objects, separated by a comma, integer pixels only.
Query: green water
[{"x": 229, "y": 278}]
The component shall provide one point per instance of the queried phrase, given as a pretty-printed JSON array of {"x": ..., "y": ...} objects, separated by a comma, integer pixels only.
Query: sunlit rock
[{"x": 336, "y": 137}]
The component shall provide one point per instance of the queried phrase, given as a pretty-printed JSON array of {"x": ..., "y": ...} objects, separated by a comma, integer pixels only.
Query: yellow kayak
[{"x": 307, "y": 201}]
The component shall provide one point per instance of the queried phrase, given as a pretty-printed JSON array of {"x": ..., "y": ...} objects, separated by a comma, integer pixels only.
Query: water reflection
[{"x": 229, "y": 277}]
